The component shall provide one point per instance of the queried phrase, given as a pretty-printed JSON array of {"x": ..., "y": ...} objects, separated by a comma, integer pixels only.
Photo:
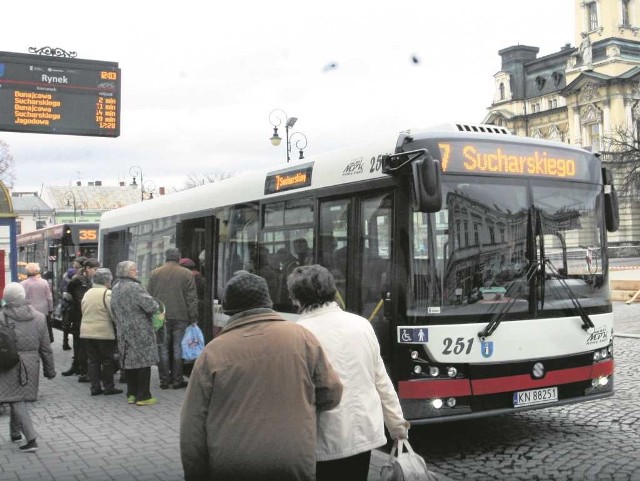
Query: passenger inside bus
[{"x": 303, "y": 253}]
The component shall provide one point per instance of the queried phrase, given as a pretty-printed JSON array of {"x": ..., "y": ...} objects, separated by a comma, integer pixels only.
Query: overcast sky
[{"x": 199, "y": 79}]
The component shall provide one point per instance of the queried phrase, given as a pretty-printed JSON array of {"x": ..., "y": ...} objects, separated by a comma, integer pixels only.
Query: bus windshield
[{"x": 532, "y": 243}]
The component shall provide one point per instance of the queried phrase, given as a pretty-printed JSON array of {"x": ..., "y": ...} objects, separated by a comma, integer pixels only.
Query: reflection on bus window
[
  {"x": 334, "y": 236},
  {"x": 376, "y": 215},
  {"x": 482, "y": 250}
]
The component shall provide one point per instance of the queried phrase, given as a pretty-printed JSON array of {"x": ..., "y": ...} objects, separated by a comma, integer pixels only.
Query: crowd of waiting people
[{"x": 317, "y": 390}]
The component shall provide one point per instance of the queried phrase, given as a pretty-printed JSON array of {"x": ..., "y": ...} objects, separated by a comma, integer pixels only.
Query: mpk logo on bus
[
  {"x": 599, "y": 335},
  {"x": 354, "y": 167}
]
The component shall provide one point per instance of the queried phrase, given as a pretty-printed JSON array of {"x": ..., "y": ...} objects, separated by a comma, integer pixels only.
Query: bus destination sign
[
  {"x": 52, "y": 95},
  {"x": 500, "y": 158},
  {"x": 288, "y": 179}
]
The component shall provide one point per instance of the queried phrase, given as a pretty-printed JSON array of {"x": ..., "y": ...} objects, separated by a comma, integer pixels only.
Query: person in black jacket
[{"x": 76, "y": 290}]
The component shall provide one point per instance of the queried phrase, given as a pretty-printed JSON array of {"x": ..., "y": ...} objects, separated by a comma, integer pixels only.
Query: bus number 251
[{"x": 457, "y": 346}]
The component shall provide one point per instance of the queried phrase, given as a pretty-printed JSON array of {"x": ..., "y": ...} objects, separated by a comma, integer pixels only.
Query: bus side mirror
[
  {"x": 427, "y": 190},
  {"x": 611, "y": 204}
]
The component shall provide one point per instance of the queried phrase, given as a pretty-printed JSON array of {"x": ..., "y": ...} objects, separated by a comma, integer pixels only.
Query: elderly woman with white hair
[
  {"x": 19, "y": 384},
  {"x": 348, "y": 433},
  {"x": 38, "y": 292},
  {"x": 97, "y": 331}
]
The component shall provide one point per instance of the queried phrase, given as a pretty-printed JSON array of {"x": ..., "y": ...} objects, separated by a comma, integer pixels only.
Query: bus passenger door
[
  {"x": 355, "y": 241},
  {"x": 196, "y": 238}
]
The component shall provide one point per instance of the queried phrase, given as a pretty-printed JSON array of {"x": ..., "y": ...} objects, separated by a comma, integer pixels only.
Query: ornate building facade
[{"x": 582, "y": 95}]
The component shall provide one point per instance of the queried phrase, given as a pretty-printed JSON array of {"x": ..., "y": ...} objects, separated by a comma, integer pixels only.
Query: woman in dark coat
[
  {"x": 20, "y": 384},
  {"x": 132, "y": 308}
]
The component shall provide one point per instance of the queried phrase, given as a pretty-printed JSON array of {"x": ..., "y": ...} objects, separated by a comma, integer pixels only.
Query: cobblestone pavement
[{"x": 83, "y": 437}]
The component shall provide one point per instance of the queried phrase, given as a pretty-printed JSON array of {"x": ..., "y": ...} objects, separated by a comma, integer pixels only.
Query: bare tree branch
[
  {"x": 7, "y": 174},
  {"x": 622, "y": 154},
  {"x": 196, "y": 179}
]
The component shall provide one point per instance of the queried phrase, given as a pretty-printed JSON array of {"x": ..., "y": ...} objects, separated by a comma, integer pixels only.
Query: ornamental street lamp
[
  {"x": 70, "y": 197},
  {"x": 149, "y": 187},
  {"x": 146, "y": 186},
  {"x": 276, "y": 118}
]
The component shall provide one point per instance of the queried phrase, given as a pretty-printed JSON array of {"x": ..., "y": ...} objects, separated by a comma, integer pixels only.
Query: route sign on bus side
[{"x": 53, "y": 95}]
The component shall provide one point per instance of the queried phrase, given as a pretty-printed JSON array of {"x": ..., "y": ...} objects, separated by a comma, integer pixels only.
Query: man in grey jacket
[{"x": 173, "y": 285}]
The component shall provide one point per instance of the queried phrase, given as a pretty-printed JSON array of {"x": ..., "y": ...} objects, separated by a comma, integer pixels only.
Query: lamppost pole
[
  {"x": 69, "y": 197},
  {"x": 276, "y": 117}
]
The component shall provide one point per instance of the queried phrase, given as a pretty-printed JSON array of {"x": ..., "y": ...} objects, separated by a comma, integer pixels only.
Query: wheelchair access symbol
[{"x": 413, "y": 335}]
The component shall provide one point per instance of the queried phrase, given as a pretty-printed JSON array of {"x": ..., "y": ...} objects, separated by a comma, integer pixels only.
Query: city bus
[
  {"x": 55, "y": 247},
  {"x": 479, "y": 257}
]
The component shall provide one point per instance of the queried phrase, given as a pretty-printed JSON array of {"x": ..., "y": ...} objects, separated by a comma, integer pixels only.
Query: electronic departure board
[{"x": 52, "y": 95}]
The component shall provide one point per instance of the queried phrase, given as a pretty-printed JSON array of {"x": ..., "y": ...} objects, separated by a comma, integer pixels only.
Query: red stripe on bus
[
  {"x": 604, "y": 368},
  {"x": 433, "y": 388},
  {"x": 553, "y": 378}
]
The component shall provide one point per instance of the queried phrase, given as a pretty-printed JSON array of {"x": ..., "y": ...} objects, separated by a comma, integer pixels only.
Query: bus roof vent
[{"x": 483, "y": 128}]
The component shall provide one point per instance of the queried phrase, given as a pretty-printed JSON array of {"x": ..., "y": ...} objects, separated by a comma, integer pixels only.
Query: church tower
[{"x": 583, "y": 94}]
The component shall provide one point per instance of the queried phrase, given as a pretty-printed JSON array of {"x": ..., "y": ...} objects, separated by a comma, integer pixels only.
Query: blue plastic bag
[{"x": 192, "y": 343}]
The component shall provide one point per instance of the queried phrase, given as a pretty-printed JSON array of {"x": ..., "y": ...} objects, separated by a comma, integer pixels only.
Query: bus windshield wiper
[
  {"x": 505, "y": 308},
  {"x": 532, "y": 270},
  {"x": 587, "y": 323}
]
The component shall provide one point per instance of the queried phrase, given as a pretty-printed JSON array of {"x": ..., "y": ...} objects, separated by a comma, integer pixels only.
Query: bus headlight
[
  {"x": 596, "y": 356},
  {"x": 434, "y": 371},
  {"x": 437, "y": 403},
  {"x": 452, "y": 372},
  {"x": 451, "y": 402},
  {"x": 417, "y": 369},
  {"x": 414, "y": 354},
  {"x": 599, "y": 381}
]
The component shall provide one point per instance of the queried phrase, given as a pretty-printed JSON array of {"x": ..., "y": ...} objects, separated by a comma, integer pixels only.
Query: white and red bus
[{"x": 465, "y": 246}]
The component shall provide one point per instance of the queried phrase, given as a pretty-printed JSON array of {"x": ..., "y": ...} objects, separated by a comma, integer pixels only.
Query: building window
[
  {"x": 625, "y": 13},
  {"x": 592, "y": 15},
  {"x": 501, "y": 88},
  {"x": 593, "y": 132},
  {"x": 466, "y": 233}
]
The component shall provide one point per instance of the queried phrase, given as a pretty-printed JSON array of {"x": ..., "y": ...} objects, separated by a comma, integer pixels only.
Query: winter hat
[
  {"x": 13, "y": 292},
  {"x": 245, "y": 291},
  {"x": 188, "y": 263}
]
